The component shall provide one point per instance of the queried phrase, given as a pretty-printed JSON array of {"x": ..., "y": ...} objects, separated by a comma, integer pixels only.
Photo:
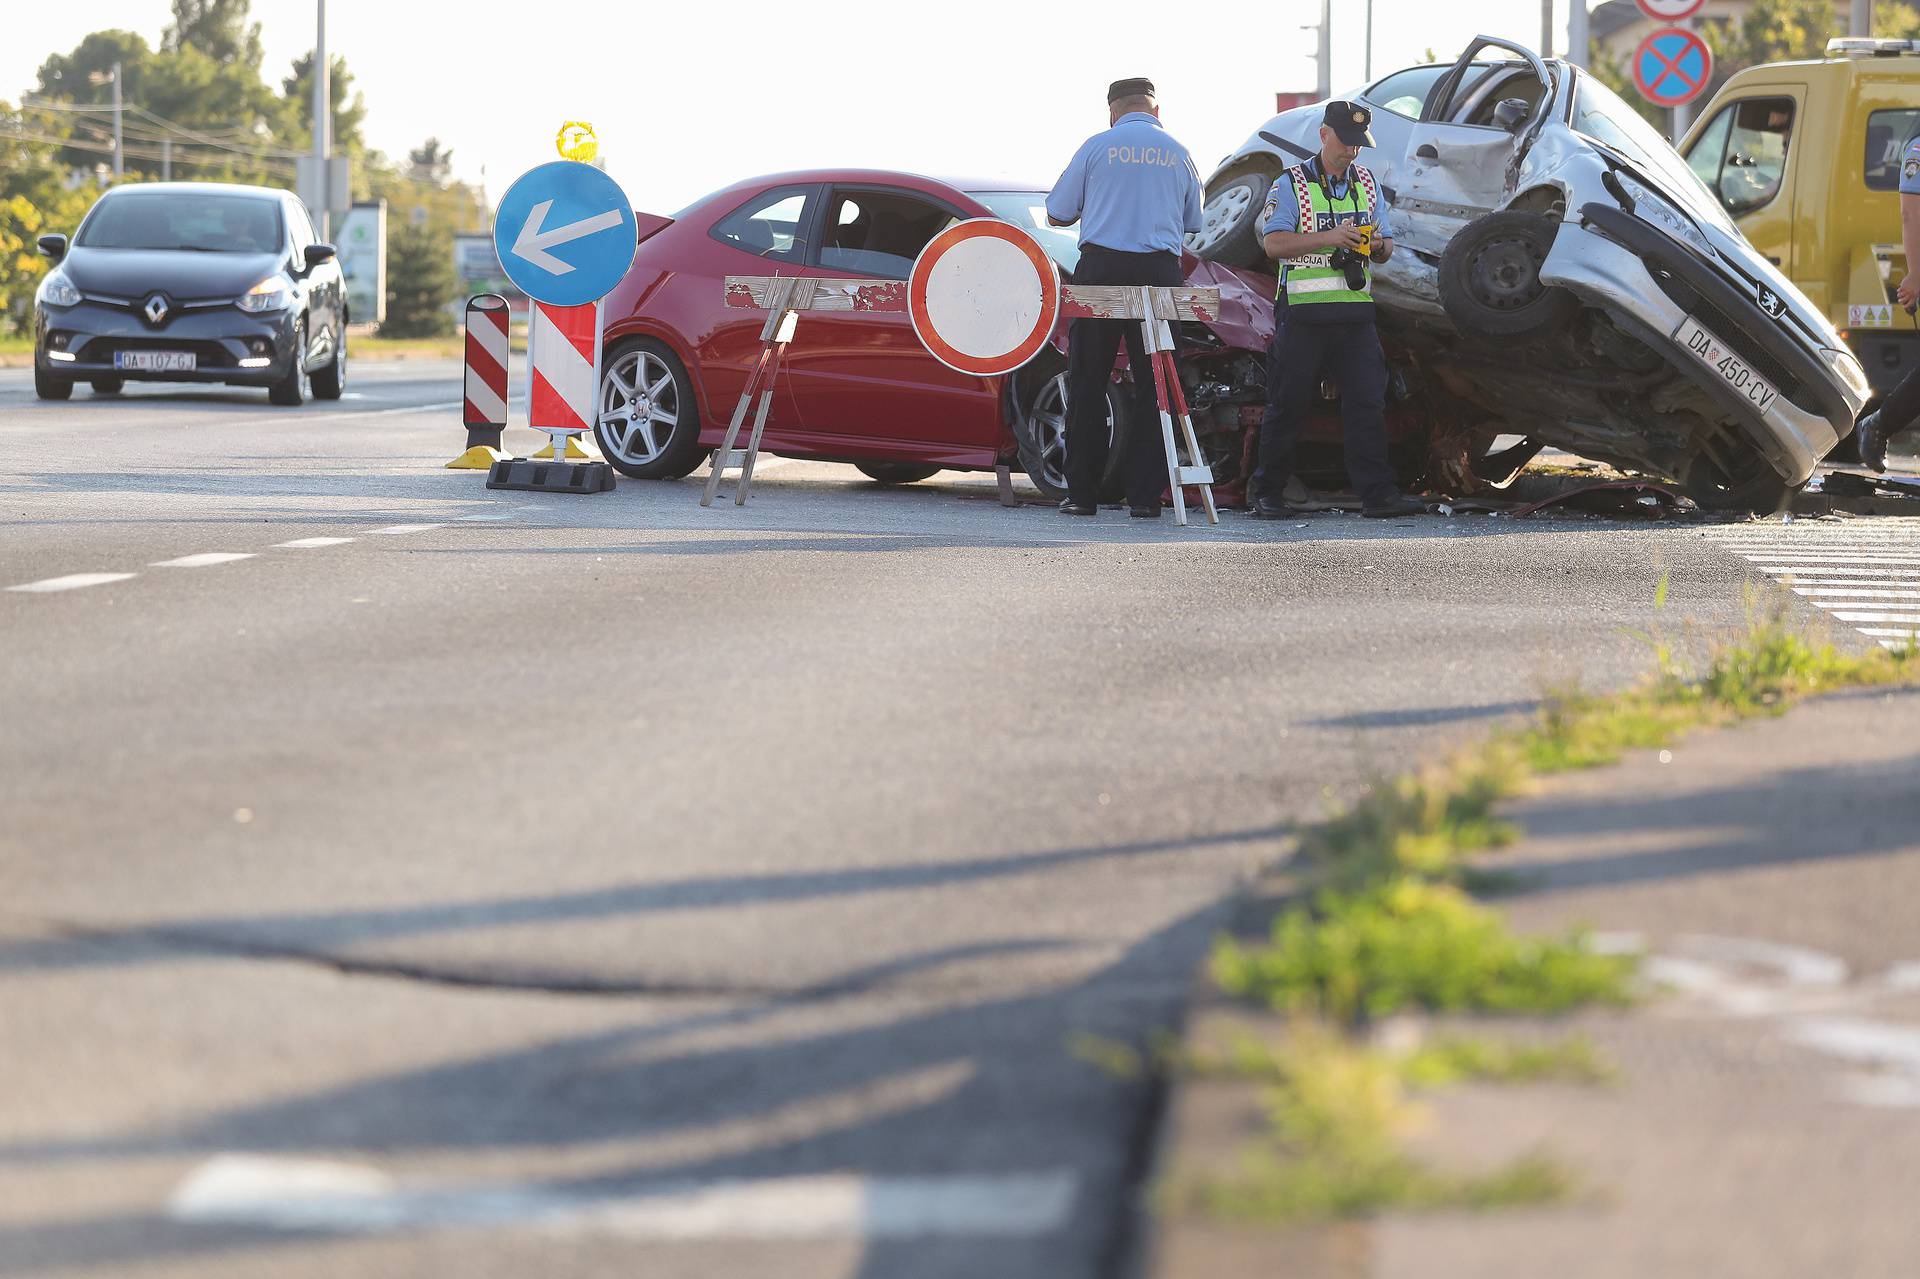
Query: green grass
[
  {"x": 16, "y": 344},
  {"x": 1472, "y": 1058}
]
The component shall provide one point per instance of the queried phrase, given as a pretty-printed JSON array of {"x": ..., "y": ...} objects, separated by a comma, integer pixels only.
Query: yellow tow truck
[{"x": 1805, "y": 156}]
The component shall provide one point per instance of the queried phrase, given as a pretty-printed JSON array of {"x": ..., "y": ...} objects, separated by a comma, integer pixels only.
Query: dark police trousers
[
  {"x": 1901, "y": 408},
  {"x": 1300, "y": 351},
  {"x": 1091, "y": 346}
]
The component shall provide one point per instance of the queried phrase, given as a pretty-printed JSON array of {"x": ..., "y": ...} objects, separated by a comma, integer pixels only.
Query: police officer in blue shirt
[
  {"x": 1327, "y": 223},
  {"x": 1902, "y": 405},
  {"x": 1136, "y": 195}
]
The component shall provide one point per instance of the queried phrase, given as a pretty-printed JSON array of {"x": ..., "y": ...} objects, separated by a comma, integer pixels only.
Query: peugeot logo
[
  {"x": 1772, "y": 303},
  {"x": 155, "y": 309}
]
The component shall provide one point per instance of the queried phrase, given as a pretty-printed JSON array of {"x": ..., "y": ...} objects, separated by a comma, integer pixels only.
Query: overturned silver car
[{"x": 1563, "y": 276}]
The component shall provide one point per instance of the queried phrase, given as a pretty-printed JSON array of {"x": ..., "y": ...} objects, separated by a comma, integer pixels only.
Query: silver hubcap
[
  {"x": 1220, "y": 214},
  {"x": 639, "y": 407},
  {"x": 1049, "y": 420}
]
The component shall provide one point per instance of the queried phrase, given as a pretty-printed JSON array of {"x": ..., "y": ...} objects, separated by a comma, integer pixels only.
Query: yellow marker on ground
[
  {"x": 573, "y": 450},
  {"x": 477, "y": 458}
]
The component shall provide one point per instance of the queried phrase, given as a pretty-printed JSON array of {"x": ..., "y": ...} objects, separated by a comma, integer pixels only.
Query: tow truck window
[
  {"x": 879, "y": 232},
  {"x": 1742, "y": 153},
  {"x": 1888, "y": 133},
  {"x": 769, "y": 225}
]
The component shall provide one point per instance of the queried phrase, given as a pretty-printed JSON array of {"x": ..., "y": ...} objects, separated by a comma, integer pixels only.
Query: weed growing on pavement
[
  {"x": 1473, "y": 1058},
  {"x": 1408, "y": 943}
]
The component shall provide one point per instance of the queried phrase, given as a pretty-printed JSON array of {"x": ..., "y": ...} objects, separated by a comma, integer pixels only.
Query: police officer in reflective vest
[
  {"x": 1326, "y": 222},
  {"x": 1136, "y": 195},
  {"x": 1901, "y": 408}
]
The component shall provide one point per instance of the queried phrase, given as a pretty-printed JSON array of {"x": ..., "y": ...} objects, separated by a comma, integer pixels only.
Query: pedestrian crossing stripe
[{"x": 1868, "y": 578}]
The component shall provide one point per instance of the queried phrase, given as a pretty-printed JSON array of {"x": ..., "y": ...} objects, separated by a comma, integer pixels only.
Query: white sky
[{"x": 690, "y": 95}]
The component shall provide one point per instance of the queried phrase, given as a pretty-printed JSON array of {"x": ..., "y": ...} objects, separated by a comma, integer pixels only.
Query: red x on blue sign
[{"x": 1672, "y": 67}]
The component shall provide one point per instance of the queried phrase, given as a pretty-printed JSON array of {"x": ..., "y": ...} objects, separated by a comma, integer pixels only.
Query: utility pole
[
  {"x": 322, "y": 121},
  {"x": 166, "y": 159},
  {"x": 1578, "y": 39},
  {"x": 1546, "y": 28},
  {"x": 1860, "y": 21},
  {"x": 119, "y": 145},
  {"x": 1368, "y": 73},
  {"x": 1323, "y": 52}
]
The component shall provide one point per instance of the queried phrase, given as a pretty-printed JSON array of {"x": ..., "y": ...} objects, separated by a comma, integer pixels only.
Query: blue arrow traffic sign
[{"x": 564, "y": 233}]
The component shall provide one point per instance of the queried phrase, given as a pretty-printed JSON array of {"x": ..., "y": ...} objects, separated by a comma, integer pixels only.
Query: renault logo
[{"x": 155, "y": 309}]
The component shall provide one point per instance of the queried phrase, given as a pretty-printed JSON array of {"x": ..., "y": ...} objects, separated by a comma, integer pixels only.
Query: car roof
[
  {"x": 196, "y": 188},
  {"x": 879, "y": 177}
]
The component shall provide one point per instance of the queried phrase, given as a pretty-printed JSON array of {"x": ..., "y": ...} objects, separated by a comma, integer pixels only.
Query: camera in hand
[{"x": 1351, "y": 265}]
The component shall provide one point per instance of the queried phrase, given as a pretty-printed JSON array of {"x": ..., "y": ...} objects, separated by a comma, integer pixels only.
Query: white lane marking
[
  {"x": 393, "y": 530},
  {"x": 472, "y": 518},
  {"x": 303, "y": 542},
  {"x": 206, "y": 559},
  {"x": 1851, "y": 616},
  {"x": 293, "y": 1194},
  {"x": 71, "y": 582},
  {"x": 1797, "y": 965},
  {"x": 1862, "y": 578},
  {"x": 1855, "y": 593},
  {"x": 1889, "y": 632}
]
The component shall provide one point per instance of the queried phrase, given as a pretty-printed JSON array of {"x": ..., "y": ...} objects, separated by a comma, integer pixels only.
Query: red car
[{"x": 858, "y": 386}]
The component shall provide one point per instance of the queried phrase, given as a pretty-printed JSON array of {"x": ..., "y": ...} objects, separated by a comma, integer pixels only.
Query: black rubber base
[
  {"x": 551, "y": 477},
  {"x": 484, "y": 436}
]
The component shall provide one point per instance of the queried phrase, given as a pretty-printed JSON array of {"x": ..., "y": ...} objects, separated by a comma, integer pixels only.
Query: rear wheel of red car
[
  {"x": 1230, "y": 218},
  {"x": 648, "y": 424},
  {"x": 896, "y": 472},
  {"x": 1489, "y": 278},
  {"x": 1040, "y": 431}
]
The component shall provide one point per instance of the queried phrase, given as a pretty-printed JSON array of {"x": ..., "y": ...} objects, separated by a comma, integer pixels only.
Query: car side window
[
  {"x": 879, "y": 232},
  {"x": 1403, "y": 92},
  {"x": 299, "y": 229},
  {"x": 1888, "y": 133},
  {"x": 1742, "y": 153},
  {"x": 771, "y": 225}
]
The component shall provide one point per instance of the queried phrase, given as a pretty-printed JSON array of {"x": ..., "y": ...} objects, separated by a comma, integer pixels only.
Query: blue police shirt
[
  {"x": 1283, "y": 204},
  {"x": 1132, "y": 188},
  {"x": 1910, "y": 169}
]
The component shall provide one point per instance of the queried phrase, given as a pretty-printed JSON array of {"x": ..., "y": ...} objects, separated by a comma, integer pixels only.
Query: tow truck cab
[{"x": 1805, "y": 156}]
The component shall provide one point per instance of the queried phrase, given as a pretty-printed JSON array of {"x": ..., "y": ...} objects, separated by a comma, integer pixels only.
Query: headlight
[
  {"x": 1658, "y": 210},
  {"x": 58, "y": 290},
  {"x": 271, "y": 294}
]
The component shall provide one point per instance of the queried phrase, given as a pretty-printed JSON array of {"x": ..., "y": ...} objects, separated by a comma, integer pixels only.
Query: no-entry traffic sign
[
  {"x": 565, "y": 233},
  {"x": 1670, "y": 10},
  {"x": 1671, "y": 67},
  {"x": 983, "y": 297}
]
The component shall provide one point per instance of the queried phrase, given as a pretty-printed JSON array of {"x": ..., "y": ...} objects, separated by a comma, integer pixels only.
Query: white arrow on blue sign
[{"x": 564, "y": 233}]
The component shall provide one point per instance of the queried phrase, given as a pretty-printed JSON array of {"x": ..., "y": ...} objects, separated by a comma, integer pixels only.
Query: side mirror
[
  {"x": 53, "y": 246},
  {"x": 318, "y": 253},
  {"x": 1512, "y": 114}
]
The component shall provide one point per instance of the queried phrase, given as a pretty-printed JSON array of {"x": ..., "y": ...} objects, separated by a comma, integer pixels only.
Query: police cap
[
  {"x": 1349, "y": 121},
  {"x": 1137, "y": 87}
]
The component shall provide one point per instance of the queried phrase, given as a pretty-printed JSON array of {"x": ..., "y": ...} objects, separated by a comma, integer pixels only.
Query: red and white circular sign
[
  {"x": 1670, "y": 10},
  {"x": 983, "y": 297}
]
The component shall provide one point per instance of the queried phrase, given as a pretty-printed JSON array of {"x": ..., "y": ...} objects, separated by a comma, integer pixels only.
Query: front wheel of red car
[
  {"x": 648, "y": 424},
  {"x": 1040, "y": 431}
]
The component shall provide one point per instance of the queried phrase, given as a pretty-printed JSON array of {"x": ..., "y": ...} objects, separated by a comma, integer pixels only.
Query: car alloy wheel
[
  {"x": 639, "y": 408},
  {"x": 1219, "y": 215},
  {"x": 1047, "y": 427}
]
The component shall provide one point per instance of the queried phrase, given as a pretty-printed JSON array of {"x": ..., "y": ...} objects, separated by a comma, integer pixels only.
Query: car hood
[
  {"x": 1246, "y": 301},
  {"x": 134, "y": 273}
]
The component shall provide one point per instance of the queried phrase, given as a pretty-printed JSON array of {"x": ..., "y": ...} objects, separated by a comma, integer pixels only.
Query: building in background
[{"x": 361, "y": 238}]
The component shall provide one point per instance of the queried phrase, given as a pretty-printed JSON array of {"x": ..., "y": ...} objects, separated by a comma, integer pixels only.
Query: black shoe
[
  {"x": 1071, "y": 507},
  {"x": 1870, "y": 436},
  {"x": 1387, "y": 508},
  {"x": 1148, "y": 510},
  {"x": 1270, "y": 508}
]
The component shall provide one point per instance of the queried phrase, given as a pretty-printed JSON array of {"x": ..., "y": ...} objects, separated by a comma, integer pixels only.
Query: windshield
[
  {"x": 190, "y": 220},
  {"x": 1028, "y": 211},
  {"x": 1599, "y": 113}
]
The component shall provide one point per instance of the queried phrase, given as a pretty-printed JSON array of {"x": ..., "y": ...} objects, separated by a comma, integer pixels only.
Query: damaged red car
[{"x": 858, "y": 387}]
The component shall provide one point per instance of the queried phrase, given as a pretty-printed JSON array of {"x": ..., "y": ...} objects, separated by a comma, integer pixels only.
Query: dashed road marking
[
  {"x": 393, "y": 530},
  {"x": 304, "y": 542},
  {"x": 206, "y": 559},
  {"x": 1857, "y": 575},
  {"x": 72, "y": 582},
  {"x": 310, "y": 1195}
]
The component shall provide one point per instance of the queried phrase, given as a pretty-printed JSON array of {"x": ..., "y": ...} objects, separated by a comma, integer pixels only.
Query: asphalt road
[{"x": 399, "y": 878}]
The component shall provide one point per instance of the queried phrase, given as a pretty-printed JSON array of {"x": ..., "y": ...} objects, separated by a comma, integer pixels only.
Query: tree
[
  {"x": 420, "y": 281},
  {"x": 1783, "y": 30},
  {"x": 344, "y": 103},
  {"x": 34, "y": 200},
  {"x": 217, "y": 28},
  {"x": 430, "y": 162}
]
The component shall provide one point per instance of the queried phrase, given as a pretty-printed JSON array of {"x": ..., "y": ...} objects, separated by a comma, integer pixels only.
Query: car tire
[
  {"x": 1752, "y": 486},
  {"x": 108, "y": 385},
  {"x": 1489, "y": 278},
  {"x": 896, "y": 472},
  {"x": 1231, "y": 213},
  {"x": 291, "y": 391},
  {"x": 1039, "y": 430},
  {"x": 48, "y": 387},
  {"x": 666, "y": 446},
  {"x": 331, "y": 382}
]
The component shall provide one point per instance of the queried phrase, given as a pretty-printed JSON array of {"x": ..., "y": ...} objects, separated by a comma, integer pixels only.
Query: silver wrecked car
[{"x": 1563, "y": 276}]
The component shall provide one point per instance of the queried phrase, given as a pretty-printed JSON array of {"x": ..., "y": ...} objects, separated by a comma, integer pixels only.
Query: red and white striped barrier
[
  {"x": 564, "y": 346},
  {"x": 485, "y": 408}
]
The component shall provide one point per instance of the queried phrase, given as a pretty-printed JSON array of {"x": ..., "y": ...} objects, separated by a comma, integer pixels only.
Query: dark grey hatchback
[{"x": 192, "y": 282}]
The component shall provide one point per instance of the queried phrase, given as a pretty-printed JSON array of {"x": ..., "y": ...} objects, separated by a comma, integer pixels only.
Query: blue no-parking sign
[{"x": 564, "y": 233}]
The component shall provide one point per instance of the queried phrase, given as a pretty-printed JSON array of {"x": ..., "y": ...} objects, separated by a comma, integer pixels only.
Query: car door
[
  {"x": 769, "y": 232},
  {"x": 1745, "y": 155},
  {"x": 864, "y": 383},
  {"x": 1456, "y": 160},
  {"x": 319, "y": 283}
]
